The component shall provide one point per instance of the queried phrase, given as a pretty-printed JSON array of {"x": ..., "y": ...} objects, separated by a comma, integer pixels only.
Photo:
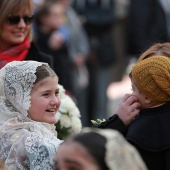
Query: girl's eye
[
  {"x": 57, "y": 93},
  {"x": 45, "y": 94}
]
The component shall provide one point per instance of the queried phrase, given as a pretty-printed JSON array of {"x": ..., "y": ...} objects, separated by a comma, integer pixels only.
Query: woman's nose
[{"x": 21, "y": 23}]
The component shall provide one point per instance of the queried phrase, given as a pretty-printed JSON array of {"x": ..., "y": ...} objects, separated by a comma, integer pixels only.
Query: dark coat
[
  {"x": 36, "y": 55},
  {"x": 149, "y": 133},
  {"x": 61, "y": 61},
  {"x": 147, "y": 25},
  {"x": 99, "y": 21}
]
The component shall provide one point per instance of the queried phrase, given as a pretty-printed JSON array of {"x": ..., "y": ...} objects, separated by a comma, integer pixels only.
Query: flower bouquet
[{"x": 68, "y": 116}]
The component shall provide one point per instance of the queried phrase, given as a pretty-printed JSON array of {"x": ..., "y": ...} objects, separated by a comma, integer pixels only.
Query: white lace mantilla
[
  {"x": 24, "y": 143},
  {"x": 120, "y": 155}
]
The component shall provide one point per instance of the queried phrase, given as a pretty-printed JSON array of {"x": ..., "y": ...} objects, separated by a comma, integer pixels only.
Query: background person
[
  {"x": 151, "y": 86},
  {"x": 49, "y": 18},
  {"x": 78, "y": 50},
  {"x": 129, "y": 105},
  {"x": 60, "y": 33},
  {"x": 148, "y": 24},
  {"x": 97, "y": 149},
  {"x": 16, "y": 19},
  {"x": 98, "y": 19}
]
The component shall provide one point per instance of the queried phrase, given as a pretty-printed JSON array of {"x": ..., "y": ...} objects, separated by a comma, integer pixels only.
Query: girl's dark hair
[
  {"x": 95, "y": 144},
  {"x": 43, "y": 72}
]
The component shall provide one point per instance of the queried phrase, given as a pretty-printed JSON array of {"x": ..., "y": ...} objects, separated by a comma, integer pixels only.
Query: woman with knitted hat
[
  {"x": 129, "y": 107},
  {"x": 149, "y": 131}
]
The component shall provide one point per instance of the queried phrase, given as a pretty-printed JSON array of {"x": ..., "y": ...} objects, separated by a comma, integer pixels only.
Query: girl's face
[
  {"x": 73, "y": 156},
  {"x": 45, "y": 100},
  {"x": 14, "y": 34}
]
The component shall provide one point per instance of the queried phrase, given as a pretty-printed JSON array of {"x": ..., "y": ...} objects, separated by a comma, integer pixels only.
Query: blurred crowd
[
  {"x": 78, "y": 49},
  {"x": 93, "y": 42}
]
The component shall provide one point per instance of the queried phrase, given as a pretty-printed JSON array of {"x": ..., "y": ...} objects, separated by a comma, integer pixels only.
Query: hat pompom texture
[{"x": 152, "y": 77}]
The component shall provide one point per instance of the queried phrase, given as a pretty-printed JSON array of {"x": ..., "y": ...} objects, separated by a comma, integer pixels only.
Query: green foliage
[
  {"x": 62, "y": 132},
  {"x": 98, "y": 121}
]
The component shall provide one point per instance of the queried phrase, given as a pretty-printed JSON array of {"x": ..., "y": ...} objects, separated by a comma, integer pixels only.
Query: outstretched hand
[{"x": 128, "y": 108}]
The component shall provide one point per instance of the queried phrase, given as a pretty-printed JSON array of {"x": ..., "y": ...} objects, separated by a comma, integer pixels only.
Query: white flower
[
  {"x": 65, "y": 121},
  {"x": 57, "y": 116},
  {"x": 75, "y": 112},
  {"x": 67, "y": 116},
  {"x": 61, "y": 91},
  {"x": 68, "y": 103},
  {"x": 76, "y": 125},
  {"x": 62, "y": 108}
]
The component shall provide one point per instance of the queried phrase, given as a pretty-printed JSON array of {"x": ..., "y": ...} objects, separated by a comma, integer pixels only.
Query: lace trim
[
  {"x": 24, "y": 143},
  {"x": 118, "y": 150}
]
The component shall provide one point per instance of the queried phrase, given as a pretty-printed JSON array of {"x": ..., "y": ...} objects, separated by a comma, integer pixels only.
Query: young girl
[{"x": 29, "y": 101}]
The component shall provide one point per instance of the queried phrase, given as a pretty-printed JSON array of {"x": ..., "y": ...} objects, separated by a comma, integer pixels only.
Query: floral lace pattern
[
  {"x": 24, "y": 143},
  {"x": 36, "y": 151},
  {"x": 19, "y": 93}
]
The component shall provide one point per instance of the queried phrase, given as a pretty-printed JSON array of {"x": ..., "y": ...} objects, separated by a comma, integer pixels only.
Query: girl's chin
[{"x": 51, "y": 121}]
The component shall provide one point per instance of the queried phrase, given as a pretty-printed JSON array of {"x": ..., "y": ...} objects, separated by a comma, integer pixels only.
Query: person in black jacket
[
  {"x": 50, "y": 18},
  {"x": 149, "y": 130},
  {"x": 16, "y": 19},
  {"x": 129, "y": 106},
  {"x": 147, "y": 25}
]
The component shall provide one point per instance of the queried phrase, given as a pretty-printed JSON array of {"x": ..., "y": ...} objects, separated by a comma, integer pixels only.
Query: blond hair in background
[{"x": 15, "y": 6}]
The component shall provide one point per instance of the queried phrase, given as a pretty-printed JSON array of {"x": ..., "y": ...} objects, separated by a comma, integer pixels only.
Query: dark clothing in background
[
  {"x": 147, "y": 25},
  {"x": 149, "y": 133},
  {"x": 98, "y": 21},
  {"x": 35, "y": 54},
  {"x": 61, "y": 61}
]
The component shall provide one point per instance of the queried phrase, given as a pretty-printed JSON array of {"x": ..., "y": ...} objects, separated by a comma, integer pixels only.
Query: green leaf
[
  {"x": 62, "y": 132},
  {"x": 98, "y": 121},
  {"x": 94, "y": 122}
]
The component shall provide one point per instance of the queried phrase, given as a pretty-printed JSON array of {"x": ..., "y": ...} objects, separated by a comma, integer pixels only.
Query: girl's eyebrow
[
  {"x": 69, "y": 161},
  {"x": 47, "y": 91}
]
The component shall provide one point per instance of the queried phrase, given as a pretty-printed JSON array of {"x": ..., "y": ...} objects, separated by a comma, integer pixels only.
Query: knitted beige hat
[{"x": 152, "y": 77}]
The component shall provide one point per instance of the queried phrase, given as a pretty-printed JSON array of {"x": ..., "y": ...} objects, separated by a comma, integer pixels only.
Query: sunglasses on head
[{"x": 15, "y": 19}]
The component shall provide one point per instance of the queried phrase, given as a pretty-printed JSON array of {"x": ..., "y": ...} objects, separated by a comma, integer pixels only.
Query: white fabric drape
[{"x": 24, "y": 143}]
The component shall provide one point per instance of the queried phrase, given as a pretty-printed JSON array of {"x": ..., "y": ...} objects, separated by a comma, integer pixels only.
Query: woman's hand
[
  {"x": 128, "y": 108},
  {"x": 56, "y": 40}
]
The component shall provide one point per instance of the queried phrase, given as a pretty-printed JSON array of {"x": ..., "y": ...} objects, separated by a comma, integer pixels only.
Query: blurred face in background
[
  {"x": 55, "y": 17},
  {"x": 66, "y": 3},
  {"x": 15, "y": 22},
  {"x": 72, "y": 155}
]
